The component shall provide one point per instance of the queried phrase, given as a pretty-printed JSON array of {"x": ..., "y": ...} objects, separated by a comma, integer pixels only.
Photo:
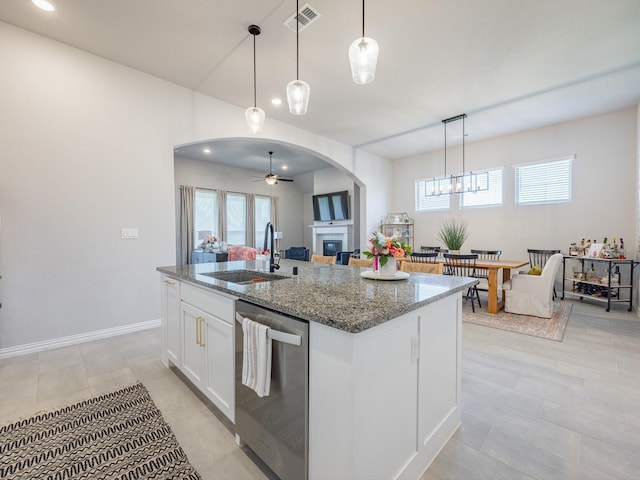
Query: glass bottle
[{"x": 591, "y": 274}]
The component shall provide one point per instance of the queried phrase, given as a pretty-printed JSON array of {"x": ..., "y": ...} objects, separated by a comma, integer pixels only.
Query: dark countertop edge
[{"x": 239, "y": 291}]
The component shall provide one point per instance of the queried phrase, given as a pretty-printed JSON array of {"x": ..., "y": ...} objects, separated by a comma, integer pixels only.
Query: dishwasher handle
[{"x": 276, "y": 334}]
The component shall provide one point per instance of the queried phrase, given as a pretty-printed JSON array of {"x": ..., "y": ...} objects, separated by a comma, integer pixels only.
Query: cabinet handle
[
  {"x": 199, "y": 335},
  {"x": 169, "y": 282}
]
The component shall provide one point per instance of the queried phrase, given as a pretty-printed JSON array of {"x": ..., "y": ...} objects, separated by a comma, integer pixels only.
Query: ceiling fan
[{"x": 271, "y": 178}]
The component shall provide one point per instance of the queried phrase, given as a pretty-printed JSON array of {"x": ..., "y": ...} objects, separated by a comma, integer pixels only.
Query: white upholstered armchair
[{"x": 532, "y": 294}]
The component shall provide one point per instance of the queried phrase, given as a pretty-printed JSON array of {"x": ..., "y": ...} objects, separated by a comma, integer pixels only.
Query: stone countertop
[{"x": 334, "y": 295}]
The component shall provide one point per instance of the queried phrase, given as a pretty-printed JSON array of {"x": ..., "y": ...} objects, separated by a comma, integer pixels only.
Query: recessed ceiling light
[
  {"x": 206, "y": 150},
  {"x": 284, "y": 167},
  {"x": 276, "y": 101},
  {"x": 45, "y": 5}
]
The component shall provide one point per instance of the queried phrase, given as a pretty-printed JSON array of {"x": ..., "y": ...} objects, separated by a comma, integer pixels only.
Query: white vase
[{"x": 390, "y": 268}]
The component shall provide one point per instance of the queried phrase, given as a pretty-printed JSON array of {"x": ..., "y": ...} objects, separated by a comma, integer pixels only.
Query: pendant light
[
  {"x": 363, "y": 57},
  {"x": 453, "y": 184},
  {"x": 298, "y": 91},
  {"x": 254, "y": 115}
]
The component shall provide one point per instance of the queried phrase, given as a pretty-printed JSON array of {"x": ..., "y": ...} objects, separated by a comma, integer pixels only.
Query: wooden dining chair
[
  {"x": 482, "y": 273},
  {"x": 360, "y": 262},
  {"x": 463, "y": 266},
  {"x": 426, "y": 249},
  {"x": 539, "y": 258},
  {"x": 429, "y": 257},
  {"x": 330, "y": 260},
  {"x": 423, "y": 267}
]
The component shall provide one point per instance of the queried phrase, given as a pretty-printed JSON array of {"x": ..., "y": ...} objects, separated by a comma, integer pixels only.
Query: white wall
[
  {"x": 604, "y": 183},
  {"x": 216, "y": 176},
  {"x": 86, "y": 148}
]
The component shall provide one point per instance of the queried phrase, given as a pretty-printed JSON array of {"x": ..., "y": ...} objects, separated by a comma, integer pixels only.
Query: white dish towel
[{"x": 256, "y": 357}]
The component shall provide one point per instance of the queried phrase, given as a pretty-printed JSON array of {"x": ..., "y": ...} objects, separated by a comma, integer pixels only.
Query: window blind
[
  {"x": 424, "y": 203},
  {"x": 546, "y": 182},
  {"x": 485, "y": 198}
]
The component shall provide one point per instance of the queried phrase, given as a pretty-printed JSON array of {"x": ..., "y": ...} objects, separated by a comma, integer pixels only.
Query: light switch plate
[{"x": 129, "y": 233}]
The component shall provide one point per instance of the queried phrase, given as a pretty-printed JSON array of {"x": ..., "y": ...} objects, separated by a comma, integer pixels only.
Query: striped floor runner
[{"x": 120, "y": 435}]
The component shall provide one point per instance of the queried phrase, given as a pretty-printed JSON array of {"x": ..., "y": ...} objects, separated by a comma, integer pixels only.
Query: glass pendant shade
[
  {"x": 255, "y": 119},
  {"x": 298, "y": 92},
  {"x": 363, "y": 57}
]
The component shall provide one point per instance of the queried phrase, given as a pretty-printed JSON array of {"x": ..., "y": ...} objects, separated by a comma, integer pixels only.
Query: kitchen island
[{"x": 384, "y": 359}]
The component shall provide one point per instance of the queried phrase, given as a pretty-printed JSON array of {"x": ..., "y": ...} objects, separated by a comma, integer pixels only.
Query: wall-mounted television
[{"x": 331, "y": 206}]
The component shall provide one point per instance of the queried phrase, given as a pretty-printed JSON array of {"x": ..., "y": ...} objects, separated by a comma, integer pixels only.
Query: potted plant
[{"x": 453, "y": 234}]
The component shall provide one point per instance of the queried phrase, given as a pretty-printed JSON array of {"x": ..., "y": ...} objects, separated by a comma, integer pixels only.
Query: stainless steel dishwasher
[{"x": 276, "y": 427}]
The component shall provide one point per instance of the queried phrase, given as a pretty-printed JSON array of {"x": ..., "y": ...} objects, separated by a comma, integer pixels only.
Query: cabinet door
[
  {"x": 219, "y": 386},
  {"x": 193, "y": 344},
  {"x": 171, "y": 321},
  {"x": 439, "y": 387}
]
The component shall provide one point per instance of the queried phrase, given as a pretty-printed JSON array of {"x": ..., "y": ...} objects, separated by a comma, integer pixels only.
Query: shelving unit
[
  {"x": 399, "y": 225},
  {"x": 603, "y": 284}
]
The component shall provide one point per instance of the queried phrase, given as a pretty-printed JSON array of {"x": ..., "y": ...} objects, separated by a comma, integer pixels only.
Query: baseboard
[{"x": 76, "y": 339}]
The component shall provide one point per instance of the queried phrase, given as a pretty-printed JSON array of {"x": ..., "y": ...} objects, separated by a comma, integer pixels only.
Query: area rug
[
  {"x": 120, "y": 435},
  {"x": 550, "y": 328}
]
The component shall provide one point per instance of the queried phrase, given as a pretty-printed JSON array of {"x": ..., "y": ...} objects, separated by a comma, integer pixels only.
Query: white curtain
[
  {"x": 274, "y": 212},
  {"x": 187, "y": 199},
  {"x": 251, "y": 220},
  {"x": 222, "y": 215}
]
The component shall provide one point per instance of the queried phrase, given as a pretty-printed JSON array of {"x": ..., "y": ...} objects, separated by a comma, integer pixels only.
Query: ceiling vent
[{"x": 307, "y": 16}]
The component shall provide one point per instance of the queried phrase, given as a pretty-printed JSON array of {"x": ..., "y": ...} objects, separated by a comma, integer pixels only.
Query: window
[
  {"x": 236, "y": 219},
  {"x": 548, "y": 182},
  {"x": 424, "y": 203},
  {"x": 205, "y": 215},
  {"x": 485, "y": 198},
  {"x": 262, "y": 209}
]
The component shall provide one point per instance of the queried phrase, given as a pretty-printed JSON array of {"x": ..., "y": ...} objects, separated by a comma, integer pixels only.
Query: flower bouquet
[
  {"x": 209, "y": 242},
  {"x": 383, "y": 248}
]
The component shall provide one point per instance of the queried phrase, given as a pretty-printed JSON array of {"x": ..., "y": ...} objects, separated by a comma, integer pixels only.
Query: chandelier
[{"x": 470, "y": 182}]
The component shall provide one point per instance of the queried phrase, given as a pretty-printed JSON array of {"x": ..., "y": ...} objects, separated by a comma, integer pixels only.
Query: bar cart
[{"x": 599, "y": 279}]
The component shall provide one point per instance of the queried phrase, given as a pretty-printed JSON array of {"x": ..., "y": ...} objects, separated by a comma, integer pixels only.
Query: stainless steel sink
[{"x": 244, "y": 277}]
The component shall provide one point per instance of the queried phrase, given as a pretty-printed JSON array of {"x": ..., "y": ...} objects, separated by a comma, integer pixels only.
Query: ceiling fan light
[
  {"x": 363, "y": 57},
  {"x": 298, "y": 92},
  {"x": 271, "y": 180},
  {"x": 255, "y": 119}
]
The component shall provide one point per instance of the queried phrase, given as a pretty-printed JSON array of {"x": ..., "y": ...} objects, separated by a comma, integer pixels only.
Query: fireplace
[
  {"x": 332, "y": 233},
  {"x": 331, "y": 247}
]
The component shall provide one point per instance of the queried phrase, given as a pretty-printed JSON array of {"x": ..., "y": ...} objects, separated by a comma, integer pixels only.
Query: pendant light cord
[
  {"x": 463, "y": 145},
  {"x": 255, "y": 103},
  {"x": 297, "y": 41},
  {"x": 445, "y": 149},
  {"x": 362, "y": 18}
]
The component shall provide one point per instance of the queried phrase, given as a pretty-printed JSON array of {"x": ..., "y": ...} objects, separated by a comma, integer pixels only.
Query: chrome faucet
[{"x": 269, "y": 244}]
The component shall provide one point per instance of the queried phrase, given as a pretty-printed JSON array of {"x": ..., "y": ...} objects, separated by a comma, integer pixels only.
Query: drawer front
[{"x": 208, "y": 301}]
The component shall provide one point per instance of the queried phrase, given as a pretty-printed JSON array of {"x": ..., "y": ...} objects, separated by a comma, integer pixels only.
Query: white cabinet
[
  {"x": 193, "y": 343},
  {"x": 219, "y": 351},
  {"x": 198, "y": 338},
  {"x": 383, "y": 402},
  {"x": 208, "y": 344},
  {"x": 170, "y": 314}
]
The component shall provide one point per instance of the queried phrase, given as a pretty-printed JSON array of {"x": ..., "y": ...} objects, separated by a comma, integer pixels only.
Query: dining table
[
  {"x": 493, "y": 267},
  {"x": 495, "y": 304}
]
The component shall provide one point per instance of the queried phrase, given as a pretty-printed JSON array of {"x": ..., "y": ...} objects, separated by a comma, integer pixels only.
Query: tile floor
[{"x": 532, "y": 408}]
